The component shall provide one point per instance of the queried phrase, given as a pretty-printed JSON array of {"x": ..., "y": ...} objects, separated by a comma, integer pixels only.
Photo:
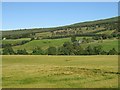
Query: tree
[
  {"x": 52, "y": 51},
  {"x": 38, "y": 51},
  {"x": 78, "y": 50},
  {"x": 32, "y": 38},
  {"x": 73, "y": 39},
  {"x": 112, "y": 52},
  {"x": 97, "y": 49},
  {"x": 89, "y": 50},
  {"x": 68, "y": 48},
  {"x": 104, "y": 36},
  {"x": 8, "y": 51},
  {"x": 22, "y": 52},
  {"x": 60, "y": 50},
  {"x": 84, "y": 40},
  {"x": 66, "y": 44},
  {"x": 6, "y": 45},
  {"x": 97, "y": 37},
  {"x": 104, "y": 53}
]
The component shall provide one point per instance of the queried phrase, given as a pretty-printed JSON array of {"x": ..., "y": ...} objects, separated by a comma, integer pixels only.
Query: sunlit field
[{"x": 32, "y": 71}]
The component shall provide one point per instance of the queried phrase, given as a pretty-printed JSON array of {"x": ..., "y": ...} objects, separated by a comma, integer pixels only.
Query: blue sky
[{"x": 18, "y": 15}]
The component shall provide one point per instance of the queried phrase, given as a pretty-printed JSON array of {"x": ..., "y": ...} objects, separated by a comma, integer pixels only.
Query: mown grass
[{"x": 23, "y": 71}]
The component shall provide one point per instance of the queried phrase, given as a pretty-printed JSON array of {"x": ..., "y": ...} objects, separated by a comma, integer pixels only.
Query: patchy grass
[{"x": 35, "y": 71}]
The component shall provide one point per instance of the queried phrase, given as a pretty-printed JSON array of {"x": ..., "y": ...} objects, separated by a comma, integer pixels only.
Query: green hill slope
[{"x": 83, "y": 28}]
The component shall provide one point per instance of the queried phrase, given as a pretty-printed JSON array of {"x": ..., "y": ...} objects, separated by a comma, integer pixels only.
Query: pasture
[
  {"x": 107, "y": 44},
  {"x": 45, "y": 43},
  {"x": 35, "y": 71},
  {"x": 14, "y": 41}
]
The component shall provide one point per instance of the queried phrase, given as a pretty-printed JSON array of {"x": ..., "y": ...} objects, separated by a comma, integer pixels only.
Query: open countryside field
[
  {"x": 108, "y": 32},
  {"x": 44, "y": 43},
  {"x": 23, "y": 71},
  {"x": 14, "y": 41},
  {"x": 107, "y": 44}
]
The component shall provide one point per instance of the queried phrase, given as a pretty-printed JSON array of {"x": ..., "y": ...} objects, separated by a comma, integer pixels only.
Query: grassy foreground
[{"x": 23, "y": 71}]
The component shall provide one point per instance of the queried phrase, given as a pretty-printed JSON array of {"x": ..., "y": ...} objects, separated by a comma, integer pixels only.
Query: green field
[
  {"x": 108, "y": 32},
  {"x": 107, "y": 44},
  {"x": 44, "y": 34},
  {"x": 14, "y": 41},
  {"x": 21, "y": 71},
  {"x": 44, "y": 43}
]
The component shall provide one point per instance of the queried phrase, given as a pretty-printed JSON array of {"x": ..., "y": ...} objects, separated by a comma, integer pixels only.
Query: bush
[
  {"x": 8, "y": 51},
  {"x": 38, "y": 51},
  {"x": 22, "y": 52},
  {"x": 73, "y": 39},
  {"x": 51, "y": 51},
  {"x": 112, "y": 52}
]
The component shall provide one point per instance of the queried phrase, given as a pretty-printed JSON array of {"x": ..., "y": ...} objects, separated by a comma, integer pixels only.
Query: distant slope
[
  {"x": 107, "y": 44},
  {"x": 102, "y": 21},
  {"x": 91, "y": 27}
]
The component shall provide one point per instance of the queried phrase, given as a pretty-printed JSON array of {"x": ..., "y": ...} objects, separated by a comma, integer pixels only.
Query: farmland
[
  {"x": 14, "y": 41},
  {"x": 102, "y": 33},
  {"x": 106, "y": 44},
  {"x": 21, "y": 71},
  {"x": 80, "y": 55},
  {"x": 45, "y": 43}
]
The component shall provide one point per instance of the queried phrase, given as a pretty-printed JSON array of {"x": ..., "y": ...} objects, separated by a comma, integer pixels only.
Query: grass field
[
  {"x": 14, "y": 41},
  {"x": 43, "y": 34},
  {"x": 21, "y": 71},
  {"x": 44, "y": 44},
  {"x": 108, "y": 32},
  {"x": 106, "y": 44}
]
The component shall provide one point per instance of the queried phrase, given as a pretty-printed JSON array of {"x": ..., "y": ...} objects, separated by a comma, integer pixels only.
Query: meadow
[
  {"x": 14, "y": 41},
  {"x": 36, "y": 71},
  {"x": 44, "y": 43},
  {"x": 107, "y": 44}
]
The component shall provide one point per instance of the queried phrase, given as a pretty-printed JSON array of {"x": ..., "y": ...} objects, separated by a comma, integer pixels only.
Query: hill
[
  {"x": 90, "y": 28},
  {"x": 100, "y": 34}
]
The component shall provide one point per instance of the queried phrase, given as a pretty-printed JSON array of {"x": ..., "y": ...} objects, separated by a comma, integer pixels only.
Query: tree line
[
  {"x": 14, "y": 44},
  {"x": 67, "y": 48}
]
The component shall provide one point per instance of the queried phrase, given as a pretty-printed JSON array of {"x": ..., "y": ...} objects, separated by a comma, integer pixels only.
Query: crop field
[{"x": 36, "y": 71}]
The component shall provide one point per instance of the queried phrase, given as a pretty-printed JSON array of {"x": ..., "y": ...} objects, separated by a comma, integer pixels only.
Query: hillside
[
  {"x": 46, "y": 43},
  {"x": 89, "y": 39},
  {"x": 84, "y": 28}
]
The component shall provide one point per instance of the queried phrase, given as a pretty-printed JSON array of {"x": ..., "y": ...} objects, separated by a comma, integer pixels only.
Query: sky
[{"x": 21, "y": 15}]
